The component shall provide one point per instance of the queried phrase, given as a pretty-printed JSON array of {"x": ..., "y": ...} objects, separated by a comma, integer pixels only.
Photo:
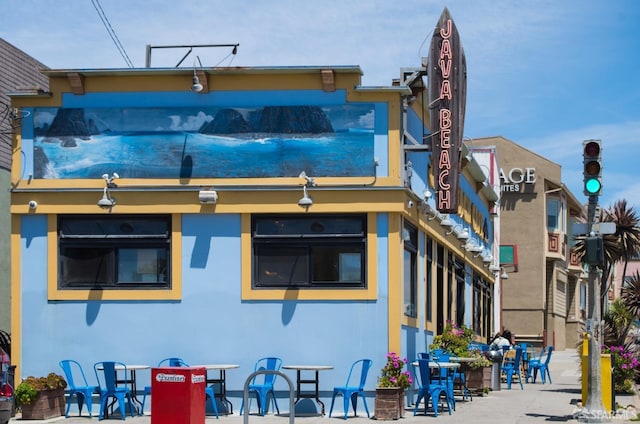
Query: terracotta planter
[
  {"x": 389, "y": 403},
  {"x": 479, "y": 378},
  {"x": 48, "y": 404}
]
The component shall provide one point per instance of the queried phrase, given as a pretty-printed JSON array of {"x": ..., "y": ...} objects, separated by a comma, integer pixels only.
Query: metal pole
[{"x": 594, "y": 411}]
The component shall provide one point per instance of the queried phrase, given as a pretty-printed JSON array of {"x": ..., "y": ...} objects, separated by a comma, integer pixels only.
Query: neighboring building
[
  {"x": 278, "y": 211},
  {"x": 544, "y": 299},
  {"x": 614, "y": 286},
  {"x": 17, "y": 71}
]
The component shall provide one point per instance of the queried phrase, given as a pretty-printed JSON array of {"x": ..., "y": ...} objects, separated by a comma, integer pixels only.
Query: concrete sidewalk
[{"x": 556, "y": 402}]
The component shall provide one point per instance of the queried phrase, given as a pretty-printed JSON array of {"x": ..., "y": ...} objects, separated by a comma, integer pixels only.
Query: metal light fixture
[
  {"x": 504, "y": 274},
  {"x": 309, "y": 182},
  {"x": 488, "y": 258},
  {"x": 454, "y": 229},
  {"x": 473, "y": 246},
  {"x": 107, "y": 201},
  {"x": 305, "y": 201},
  {"x": 463, "y": 235},
  {"x": 196, "y": 87},
  {"x": 446, "y": 221},
  {"x": 431, "y": 213},
  {"x": 109, "y": 180}
]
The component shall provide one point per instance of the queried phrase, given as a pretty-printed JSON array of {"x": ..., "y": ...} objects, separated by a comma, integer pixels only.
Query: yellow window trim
[
  {"x": 174, "y": 293},
  {"x": 369, "y": 293}
]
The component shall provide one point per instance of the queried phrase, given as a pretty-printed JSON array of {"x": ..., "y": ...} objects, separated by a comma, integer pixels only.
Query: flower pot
[
  {"x": 48, "y": 404},
  {"x": 479, "y": 378},
  {"x": 389, "y": 403}
]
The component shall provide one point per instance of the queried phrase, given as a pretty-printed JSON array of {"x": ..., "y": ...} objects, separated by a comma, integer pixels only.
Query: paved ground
[{"x": 557, "y": 402}]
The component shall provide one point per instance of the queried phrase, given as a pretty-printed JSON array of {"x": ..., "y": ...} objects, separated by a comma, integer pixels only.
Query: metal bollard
[{"x": 245, "y": 394}]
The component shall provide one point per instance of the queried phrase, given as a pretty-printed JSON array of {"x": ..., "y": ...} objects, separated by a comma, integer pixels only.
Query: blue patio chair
[
  {"x": 350, "y": 391},
  {"x": 510, "y": 367},
  {"x": 77, "y": 385},
  {"x": 541, "y": 365},
  {"x": 429, "y": 389},
  {"x": 263, "y": 389},
  {"x": 106, "y": 376},
  {"x": 532, "y": 359},
  {"x": 445, "y": 375}
]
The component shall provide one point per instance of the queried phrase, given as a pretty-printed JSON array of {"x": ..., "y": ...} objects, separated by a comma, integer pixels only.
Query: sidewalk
[{"x": 556, "y": 402}]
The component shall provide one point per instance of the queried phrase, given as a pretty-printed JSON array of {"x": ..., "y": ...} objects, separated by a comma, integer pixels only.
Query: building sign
[
  {"x": 513, "y": 180},
  {"x": 447, "y": 74}
]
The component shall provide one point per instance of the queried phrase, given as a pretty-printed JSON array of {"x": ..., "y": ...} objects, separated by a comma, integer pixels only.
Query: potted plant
[
  {"x": 454, "y": 339},
  {"x": 390, "y": 389},
  {"x": 41, "y": 398},
  {"x": 478, "y": 372}
]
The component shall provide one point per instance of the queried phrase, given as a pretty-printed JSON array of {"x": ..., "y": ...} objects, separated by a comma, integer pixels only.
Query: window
[
  {"x": 309, "y": 251},
  {"x": 429, "y": 295},
  {"x": 114, "y": 252},
  {"x": 482, "y": 307},
  {"x": 410, "y": 238},
  {"x": 450, "y": 271},
  {"x": 439, "y": 288},
  {"x": 553, "y": 214},
  {"x": 460, "y": 289}
]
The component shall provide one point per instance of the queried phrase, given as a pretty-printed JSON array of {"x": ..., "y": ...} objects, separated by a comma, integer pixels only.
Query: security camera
[
  {"x": 410, "y": 204},
  {"x": 33, "y": 204},
  {"x": 208, "y": 196}
]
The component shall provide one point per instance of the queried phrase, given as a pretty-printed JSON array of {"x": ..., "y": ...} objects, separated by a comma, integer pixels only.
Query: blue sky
[{"x": 546, "y": 74}]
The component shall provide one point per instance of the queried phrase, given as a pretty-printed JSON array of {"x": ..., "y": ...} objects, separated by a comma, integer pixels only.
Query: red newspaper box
[{"x": 177, "y": 395}]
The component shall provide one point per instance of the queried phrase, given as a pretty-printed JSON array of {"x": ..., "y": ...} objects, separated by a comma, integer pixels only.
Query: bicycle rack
[{"x": 245, "y": 394}]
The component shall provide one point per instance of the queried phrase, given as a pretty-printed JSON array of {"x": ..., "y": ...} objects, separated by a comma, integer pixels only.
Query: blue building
[{"x": 275, "y": 212}]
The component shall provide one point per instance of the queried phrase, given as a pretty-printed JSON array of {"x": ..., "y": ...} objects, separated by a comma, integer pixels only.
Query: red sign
[{"x": 447, "y": 74}]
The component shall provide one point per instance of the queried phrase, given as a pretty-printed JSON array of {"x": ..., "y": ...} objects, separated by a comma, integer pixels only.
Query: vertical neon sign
[{"x": 447, "y": 74}]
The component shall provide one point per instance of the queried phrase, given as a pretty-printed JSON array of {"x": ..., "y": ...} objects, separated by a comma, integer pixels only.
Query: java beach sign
[{"x": 447, "y": 76}]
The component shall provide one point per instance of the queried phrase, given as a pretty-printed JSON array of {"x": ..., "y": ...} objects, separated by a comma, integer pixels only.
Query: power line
[{"x": 112, "y": 33}]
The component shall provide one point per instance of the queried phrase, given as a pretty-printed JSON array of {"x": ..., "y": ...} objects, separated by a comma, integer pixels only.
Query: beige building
[{"x": 543, "y": 301}]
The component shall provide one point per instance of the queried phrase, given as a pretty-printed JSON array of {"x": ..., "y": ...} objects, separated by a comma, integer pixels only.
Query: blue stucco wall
[{"x": 211, "y": 324}]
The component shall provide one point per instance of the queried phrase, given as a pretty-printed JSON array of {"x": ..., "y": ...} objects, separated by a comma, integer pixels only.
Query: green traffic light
[{"x": 592, "y": 186}]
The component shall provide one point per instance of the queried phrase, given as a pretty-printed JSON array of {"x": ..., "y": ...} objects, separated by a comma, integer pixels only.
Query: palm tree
[
  {"x": 630, "y": 294},
  {"x": 617, "y": 321},
  {"x": 625, "y": 243},
  {"x": 621, "y": 246}
]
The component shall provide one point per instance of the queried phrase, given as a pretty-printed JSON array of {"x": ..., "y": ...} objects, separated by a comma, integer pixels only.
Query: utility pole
[{"x": 594, "y": 411}]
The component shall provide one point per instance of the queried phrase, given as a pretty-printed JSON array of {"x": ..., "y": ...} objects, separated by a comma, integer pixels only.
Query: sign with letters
[{"x": 447, "y": 76}]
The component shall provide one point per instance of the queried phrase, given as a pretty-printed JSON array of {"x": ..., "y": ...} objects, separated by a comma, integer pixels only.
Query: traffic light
[
  {"x": 594, "y": 250},
  {"x": 591, "y": 150}
]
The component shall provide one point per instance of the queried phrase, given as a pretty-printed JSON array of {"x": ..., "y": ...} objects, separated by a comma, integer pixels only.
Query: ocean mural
[{"x": 216, "y": 142}]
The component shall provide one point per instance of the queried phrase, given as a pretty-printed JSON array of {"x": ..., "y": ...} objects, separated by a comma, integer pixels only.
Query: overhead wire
[
  {"x": 112, "y": 33},
  {"x": 231, "y": 54}
]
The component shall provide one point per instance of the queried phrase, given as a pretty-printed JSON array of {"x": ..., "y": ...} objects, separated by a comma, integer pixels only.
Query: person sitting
[{"x": 502, "y": 341}]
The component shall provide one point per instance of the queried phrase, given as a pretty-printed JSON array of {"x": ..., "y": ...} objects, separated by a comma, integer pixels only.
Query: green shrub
[{"x": 29, "y": 389}]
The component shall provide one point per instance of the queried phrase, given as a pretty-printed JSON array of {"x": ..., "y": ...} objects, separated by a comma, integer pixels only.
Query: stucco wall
[{"x": 211, "y": 324}]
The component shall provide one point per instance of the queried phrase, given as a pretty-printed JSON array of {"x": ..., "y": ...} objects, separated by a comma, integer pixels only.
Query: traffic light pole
[{"x": 594, "y": 411}]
